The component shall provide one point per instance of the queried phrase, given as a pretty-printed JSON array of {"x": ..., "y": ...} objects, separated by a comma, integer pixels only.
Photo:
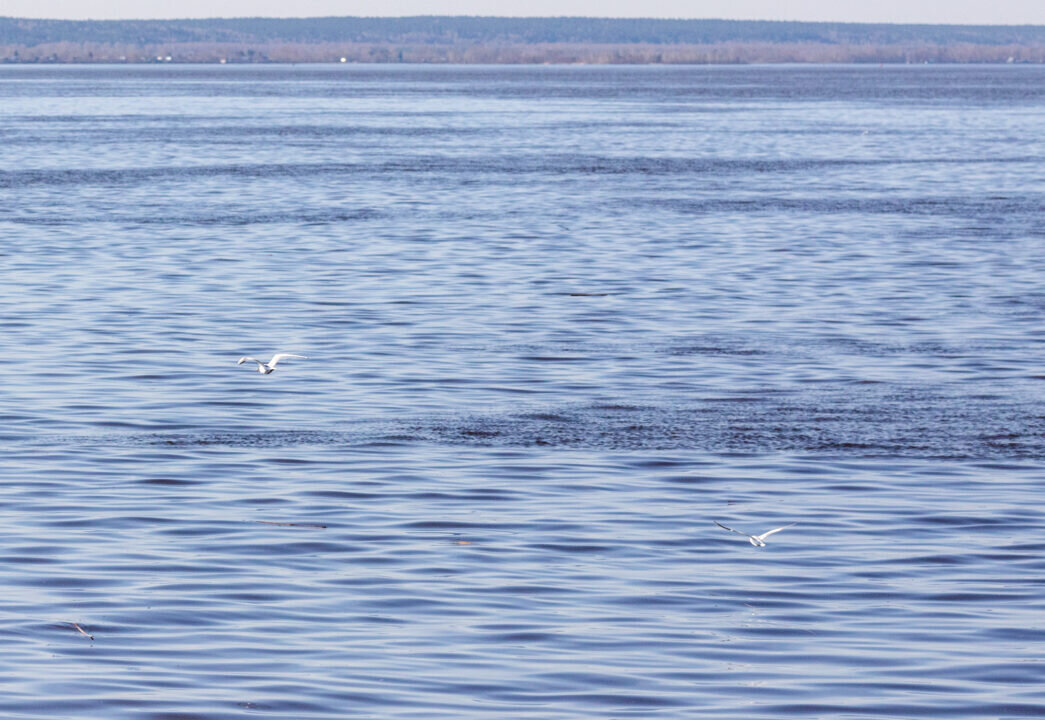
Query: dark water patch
[
  {"x": 878, "y": 421},
  {"x": 1011, "y": 673},
  {"x": 29, "y": 560},
  {"x": 220, "y": 218},
  {"x": 249, "y": 439},
  {"x": 64, "y": 582},
  {"x": 524, "y": 164},
  {"x": 170, "y": 482},
  {"x": 341, "y": 494},
  {"x": 206, "y": 132},
  {"x": 572, "y": 548},
  {"x": 959, "y": 206},
  {"x": 841, "y": 424}
]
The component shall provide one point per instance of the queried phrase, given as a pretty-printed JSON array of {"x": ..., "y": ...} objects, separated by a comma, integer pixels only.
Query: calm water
[{"x": 558, "y": 320}]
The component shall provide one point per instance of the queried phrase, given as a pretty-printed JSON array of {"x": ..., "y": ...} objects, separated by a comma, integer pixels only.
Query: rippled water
[{"x": 558, "y": 320}]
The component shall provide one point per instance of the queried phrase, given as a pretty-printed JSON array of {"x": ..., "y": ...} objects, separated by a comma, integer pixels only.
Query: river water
[{"x": 558, "y": 321}]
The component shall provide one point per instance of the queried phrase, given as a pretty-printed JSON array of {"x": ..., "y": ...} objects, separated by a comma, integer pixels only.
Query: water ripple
[{"x": 559, "y": 321}]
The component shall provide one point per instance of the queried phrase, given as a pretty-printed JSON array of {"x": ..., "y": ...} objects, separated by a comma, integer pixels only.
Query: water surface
[{"x": 558, "y": 320}]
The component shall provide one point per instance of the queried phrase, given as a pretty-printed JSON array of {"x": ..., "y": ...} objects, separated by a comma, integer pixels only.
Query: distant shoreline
[
  {"x": 510, "y": 41},
  {"x": 729, "y": 54}
]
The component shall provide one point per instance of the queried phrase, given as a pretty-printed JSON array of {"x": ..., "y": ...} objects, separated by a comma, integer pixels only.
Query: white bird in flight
[
  {"x": 756, "y": 540},
  {"x": 266, "y": 368}
]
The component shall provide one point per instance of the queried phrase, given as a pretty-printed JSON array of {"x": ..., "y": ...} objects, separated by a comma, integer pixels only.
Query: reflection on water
[{"x": 559, "y": 321}]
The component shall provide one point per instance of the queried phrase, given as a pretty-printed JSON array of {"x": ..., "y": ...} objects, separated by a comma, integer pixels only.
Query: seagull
[
  {"x": 266, "y": 368},
  {"x": 756, "y": 540}
]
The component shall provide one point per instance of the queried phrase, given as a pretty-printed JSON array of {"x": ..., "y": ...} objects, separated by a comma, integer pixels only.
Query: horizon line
[{"x": 517, "y": 17}]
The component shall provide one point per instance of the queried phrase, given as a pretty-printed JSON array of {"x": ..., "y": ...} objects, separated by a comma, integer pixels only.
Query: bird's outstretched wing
[
  {"x": 731, "y": 529},
  {"x": 246, "y": 359},
  {"x": 764, "y": 535},
  {"x": 279, "y": 356}
]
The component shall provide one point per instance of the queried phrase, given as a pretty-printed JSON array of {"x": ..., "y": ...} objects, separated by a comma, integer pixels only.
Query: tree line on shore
[
  {"x": 510, "y": 41},
  {"x": 537, "y": 53}
]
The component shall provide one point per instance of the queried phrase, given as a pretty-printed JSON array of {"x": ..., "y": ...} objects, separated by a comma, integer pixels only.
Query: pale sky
[{"x": 978, "y": 12}]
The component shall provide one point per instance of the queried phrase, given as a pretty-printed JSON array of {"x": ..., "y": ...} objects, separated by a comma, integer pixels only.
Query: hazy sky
[{"x": 994, "y": 12}]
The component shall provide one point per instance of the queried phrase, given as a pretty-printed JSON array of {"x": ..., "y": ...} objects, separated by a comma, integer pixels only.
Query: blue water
[{"x": 558, "y": 321}]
